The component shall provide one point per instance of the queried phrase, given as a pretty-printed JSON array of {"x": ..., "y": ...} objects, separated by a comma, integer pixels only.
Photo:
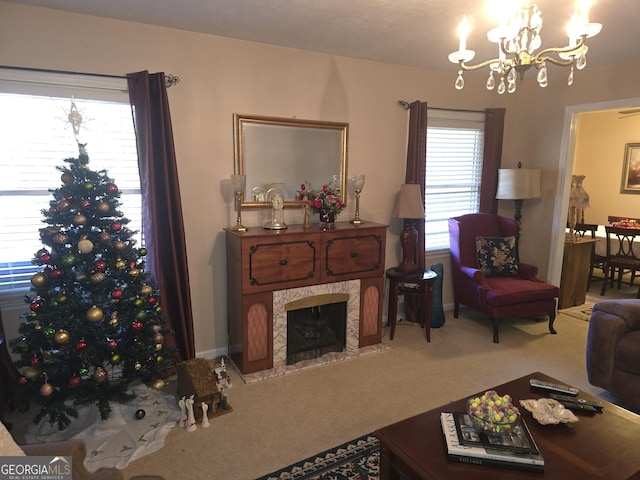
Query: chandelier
[{"x": 518, "y": 39}]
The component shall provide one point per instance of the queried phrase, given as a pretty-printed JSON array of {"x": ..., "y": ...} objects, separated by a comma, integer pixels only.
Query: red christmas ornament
[
  {"x": 53, "y": 210},
  {"x": 116, "y": 294},
  {"x": 55, "y": 274},
  {"x": 34, "y": 361},
  {"x": 116, "y": 226},
  {"x": 81, "y": 345},
  {"x": 45, "y": 257},
  {"x": 137, "y": 325},
  {"x": 36, "y": 305},
  {"x": 100, "y": 266},
  {"x": 85, "y": 203},
  {"x": 153, "y": 300},
  {"x": 112, "y": 343},
  {"x": 132, "y": 264},
  {"x": 112, "y": 188},
  {"x": 74, "y": 381}
]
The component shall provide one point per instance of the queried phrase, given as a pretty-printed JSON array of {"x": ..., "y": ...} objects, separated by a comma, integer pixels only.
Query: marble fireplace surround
[{"x": 283, "y": 297}]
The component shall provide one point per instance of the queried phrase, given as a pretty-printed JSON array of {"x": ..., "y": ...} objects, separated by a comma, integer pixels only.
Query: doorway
[{"x": 565, "y": 169}]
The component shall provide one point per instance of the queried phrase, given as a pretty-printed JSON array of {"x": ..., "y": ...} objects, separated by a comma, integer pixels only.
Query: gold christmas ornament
[
  {"x": 146, "y": 290},
  {"x": 158, "y": 347},
  {"x": 99, "y": 375},
  {"x": 97, "y": 277},
  {"x": 105, "y": 237},
  {"x": 46, "y": 390},
  {"x": 94, "y": 314},
  {"x": 121, "y": 264},
  {"x": 119, "y": 245},
  {"x": 157, "y": 328},
  {"x": 157, "y": 384},
  {"x": 61, "y": 337},
  {"x": 67, "y": 178},
  {"x": 60, "y": 238},
  {"x": 32, "y": 373},
  {"x": 114, "y": 319},
  {"x": 79, "y": 219},
  {"x": 85, "y": 246},
  {"x": 103, "y": 207},
  {"x": 39, "y": 280},
  {"x": 137, "y": 366},
  {"x": 134, "y": 272}
]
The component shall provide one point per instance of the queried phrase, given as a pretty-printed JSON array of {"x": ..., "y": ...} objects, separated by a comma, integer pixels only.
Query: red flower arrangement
[{"x": 324, "y": 200}]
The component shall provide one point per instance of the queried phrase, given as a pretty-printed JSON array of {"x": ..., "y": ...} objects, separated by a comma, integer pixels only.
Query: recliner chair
[{"x": 487, "y": 275}]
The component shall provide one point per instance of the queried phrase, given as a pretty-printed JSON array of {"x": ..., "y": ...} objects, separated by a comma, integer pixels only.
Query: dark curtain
[
  {"x": 161, "y": 206},
  {"x": 415, "y": 173},
  {"x": 492, "y": 156}
]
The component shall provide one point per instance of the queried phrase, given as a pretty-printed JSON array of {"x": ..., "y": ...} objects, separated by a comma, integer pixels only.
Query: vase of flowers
[{"x": 325, "y": 202}]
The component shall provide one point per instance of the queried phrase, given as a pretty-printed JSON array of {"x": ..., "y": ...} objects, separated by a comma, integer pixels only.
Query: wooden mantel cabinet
[{"x": 260, "y": 262}]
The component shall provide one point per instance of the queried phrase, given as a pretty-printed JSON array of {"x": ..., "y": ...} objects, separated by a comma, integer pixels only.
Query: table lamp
[
  {"x": 409, "y": 208},
  {"x": 357, "y": 181},
  {"x": 238, "y": 183}
]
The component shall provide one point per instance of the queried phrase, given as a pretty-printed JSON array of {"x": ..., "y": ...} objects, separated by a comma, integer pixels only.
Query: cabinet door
[
  {"x": 349, "y": 257},
  {"x": 275, "y": 266}
]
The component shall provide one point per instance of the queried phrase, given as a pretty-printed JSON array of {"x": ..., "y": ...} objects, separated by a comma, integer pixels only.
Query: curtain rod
[
  {"x": 170, "y": 79},
  {"x": 406, "y": 105}
]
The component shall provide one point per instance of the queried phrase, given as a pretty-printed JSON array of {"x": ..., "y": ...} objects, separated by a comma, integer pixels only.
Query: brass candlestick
[
  {"x": 238, "y": 183},
  {"x": 358, "y": 184}
]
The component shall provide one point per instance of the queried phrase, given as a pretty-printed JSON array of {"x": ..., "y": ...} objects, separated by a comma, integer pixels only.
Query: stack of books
[{"x": 514, "y": 450}]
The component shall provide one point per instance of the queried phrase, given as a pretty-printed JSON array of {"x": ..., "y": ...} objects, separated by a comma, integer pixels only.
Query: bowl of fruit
[{"x": 493, "y": 414}]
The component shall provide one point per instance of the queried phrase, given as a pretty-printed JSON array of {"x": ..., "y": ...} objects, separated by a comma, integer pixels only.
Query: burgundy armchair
[{"x": 513, "y": 293}]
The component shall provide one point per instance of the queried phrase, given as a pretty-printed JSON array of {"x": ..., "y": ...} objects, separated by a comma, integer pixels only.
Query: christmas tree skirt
[{"x": 121, "y": 438}]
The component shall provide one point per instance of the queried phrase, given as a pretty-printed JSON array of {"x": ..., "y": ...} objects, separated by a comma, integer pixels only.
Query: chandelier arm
[
  {"x": 470, "y": 68},
  {"x": 567, "y": 49},
  {"x": 555, "y": 61}
]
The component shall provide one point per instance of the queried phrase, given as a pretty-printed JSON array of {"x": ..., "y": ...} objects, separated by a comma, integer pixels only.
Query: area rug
[
  {"x": 358, "y": 459},
  {"x": 582, "y": 312}
]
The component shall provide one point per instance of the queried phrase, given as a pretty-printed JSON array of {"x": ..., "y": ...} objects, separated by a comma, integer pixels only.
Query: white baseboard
[{"x": 211, "y": 354}]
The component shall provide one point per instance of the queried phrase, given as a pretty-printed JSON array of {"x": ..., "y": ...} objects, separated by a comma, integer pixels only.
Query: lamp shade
[
  {"x": 518, "y": 183},
  {"x": 409, "y": 202}
]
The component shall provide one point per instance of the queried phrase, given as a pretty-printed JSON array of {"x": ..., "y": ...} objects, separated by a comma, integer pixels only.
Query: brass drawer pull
[{"x": 283, "y": 262}]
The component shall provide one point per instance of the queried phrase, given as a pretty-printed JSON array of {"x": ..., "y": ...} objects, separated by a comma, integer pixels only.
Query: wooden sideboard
[{"x": 260, "y": 262}]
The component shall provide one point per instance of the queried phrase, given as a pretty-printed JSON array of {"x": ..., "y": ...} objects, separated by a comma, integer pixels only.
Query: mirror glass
[{"x": 283, "y": 153}]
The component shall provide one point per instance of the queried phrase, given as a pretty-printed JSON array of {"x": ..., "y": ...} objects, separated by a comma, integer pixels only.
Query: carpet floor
[{"x": 358, "y": 459}]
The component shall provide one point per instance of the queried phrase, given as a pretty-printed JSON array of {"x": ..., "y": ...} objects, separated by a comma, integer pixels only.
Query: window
[
  {"x": 455, "y": 144},
  {"x": 35, "y": 137}
]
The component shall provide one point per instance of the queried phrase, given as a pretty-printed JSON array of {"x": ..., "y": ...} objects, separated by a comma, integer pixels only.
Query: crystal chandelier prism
[{"x": 518, "y": 39}]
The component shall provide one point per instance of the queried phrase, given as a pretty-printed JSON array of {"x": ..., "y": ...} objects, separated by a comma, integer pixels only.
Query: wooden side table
[
  {"x": 575, "y": 272},
  {"x": 418, "y": 283}
]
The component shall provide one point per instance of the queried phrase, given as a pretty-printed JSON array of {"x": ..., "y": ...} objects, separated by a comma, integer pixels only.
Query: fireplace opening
[{"x": 319, "y": 326}]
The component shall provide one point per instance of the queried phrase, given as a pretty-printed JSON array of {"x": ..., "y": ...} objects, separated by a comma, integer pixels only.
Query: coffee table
[{"x": 601, "y": 445}]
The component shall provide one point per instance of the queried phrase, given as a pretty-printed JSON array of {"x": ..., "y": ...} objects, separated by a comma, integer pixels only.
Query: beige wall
[
  {"x": 221, "y": 76},
  {"x": 599, "y": 155}
]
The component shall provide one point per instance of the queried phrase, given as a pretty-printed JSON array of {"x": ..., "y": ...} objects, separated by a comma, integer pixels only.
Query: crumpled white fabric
[
  {"x": 548, "y": 411},
  {"x": 121, "y": 438}
]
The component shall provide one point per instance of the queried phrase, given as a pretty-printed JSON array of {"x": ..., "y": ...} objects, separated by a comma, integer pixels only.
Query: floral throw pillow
[{"x": 497, "y": 256}]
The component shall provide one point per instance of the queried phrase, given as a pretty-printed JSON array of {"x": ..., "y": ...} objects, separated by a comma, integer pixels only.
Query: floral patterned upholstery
[{"x": 497, "y": 256}]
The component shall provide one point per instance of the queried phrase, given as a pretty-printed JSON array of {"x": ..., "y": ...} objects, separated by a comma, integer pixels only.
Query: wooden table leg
[
  {"x": 392, "y": 309},
  {"x": 427, "y": 302}
]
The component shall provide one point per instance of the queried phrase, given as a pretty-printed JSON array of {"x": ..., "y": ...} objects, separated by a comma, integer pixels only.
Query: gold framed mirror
[{"x": 283, "y": 153}]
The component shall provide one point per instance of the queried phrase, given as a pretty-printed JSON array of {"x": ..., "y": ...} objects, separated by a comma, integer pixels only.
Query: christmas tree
[{"x": 95, "y": 323}]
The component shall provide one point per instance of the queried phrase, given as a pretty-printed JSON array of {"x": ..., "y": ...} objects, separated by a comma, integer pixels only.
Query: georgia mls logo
[{"x": 35, "y": 468}]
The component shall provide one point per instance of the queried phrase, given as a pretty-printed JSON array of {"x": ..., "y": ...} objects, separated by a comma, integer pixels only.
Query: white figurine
[
  {"x": 183, "y": 412},
  {"x": 205, "y": 419},
  {"x": 191, "y": 420}
]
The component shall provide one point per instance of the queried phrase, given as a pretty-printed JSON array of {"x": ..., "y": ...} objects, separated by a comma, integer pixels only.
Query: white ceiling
[{"x": 418, "y": 33}]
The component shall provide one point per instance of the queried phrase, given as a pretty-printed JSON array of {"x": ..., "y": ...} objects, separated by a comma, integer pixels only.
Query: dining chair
[
  {"x": 597, "y": 261},
  {"x": 623, "y": 254}
]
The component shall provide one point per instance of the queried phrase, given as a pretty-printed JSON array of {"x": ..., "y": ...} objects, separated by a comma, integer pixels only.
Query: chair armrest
[
  {"x": 627, "y": 309},
  {"x": 474, "y": 274},
  {"x": 527, "y": 271}
]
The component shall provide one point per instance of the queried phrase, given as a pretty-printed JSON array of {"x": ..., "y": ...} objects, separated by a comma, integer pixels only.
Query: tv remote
[
  {"x": 554, "y": 387},
  {"x": 566, "y": 398}
]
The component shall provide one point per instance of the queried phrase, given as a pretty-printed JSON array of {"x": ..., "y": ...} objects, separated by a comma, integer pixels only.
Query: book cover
[
  {"x": 518, "y": 439},
  {"x": 485, "y": 455}
]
